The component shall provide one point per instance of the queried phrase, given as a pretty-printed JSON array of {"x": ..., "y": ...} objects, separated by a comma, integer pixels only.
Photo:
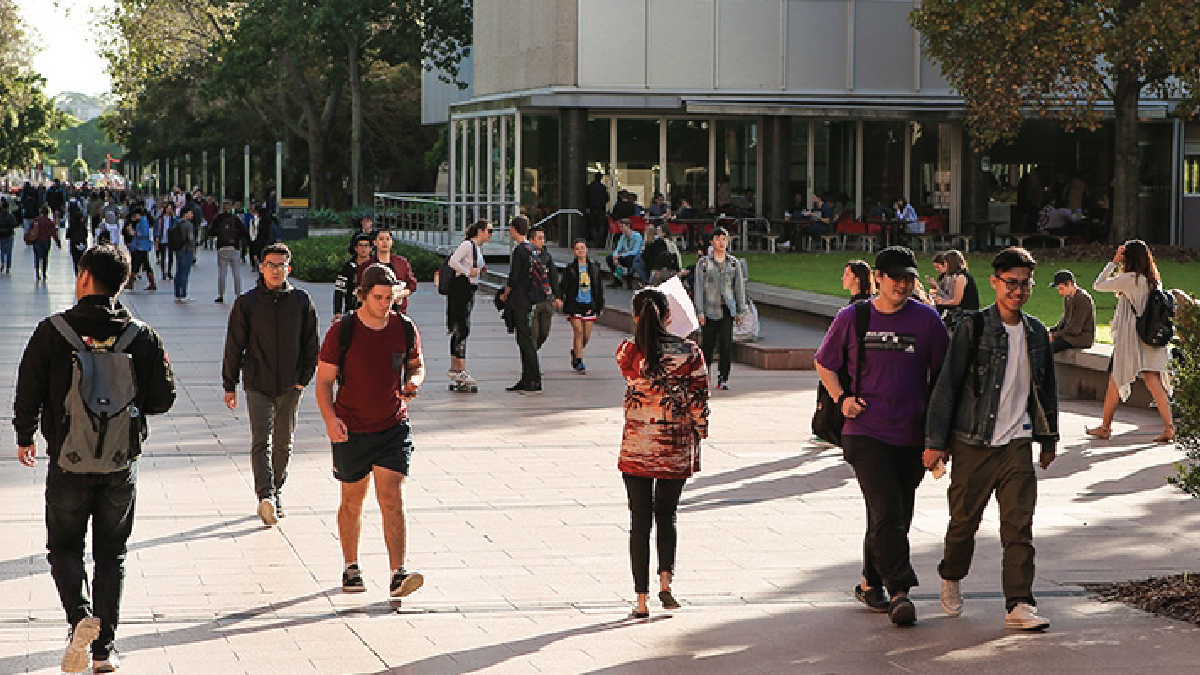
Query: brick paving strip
[{"x": 517, "y": 518}]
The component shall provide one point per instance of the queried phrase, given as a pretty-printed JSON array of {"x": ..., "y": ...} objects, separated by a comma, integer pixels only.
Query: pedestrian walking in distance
[
  {"x": 720, "y": 297},
  {"x": 373, "y": 355},
  {"x": 582, "y": 294},
  {"x": 890, "y": 345},
  {"x": 91, "y": 476},
  {"x": 666, "y": 417},
  {"x": 468, "y": 264},
  {"x": 995, "y": 396},
  {"x": 271, "y": 344}
]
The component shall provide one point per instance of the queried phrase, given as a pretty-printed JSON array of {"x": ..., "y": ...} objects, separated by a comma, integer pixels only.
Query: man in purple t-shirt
[{"x": 883, "y": 436}]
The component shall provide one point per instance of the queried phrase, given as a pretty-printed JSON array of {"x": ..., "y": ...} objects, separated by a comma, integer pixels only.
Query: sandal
[
  {"x": 668, "y": 601},
  {"x": 1166, "y": 436},
  {"x": 1100, "y": 433}
]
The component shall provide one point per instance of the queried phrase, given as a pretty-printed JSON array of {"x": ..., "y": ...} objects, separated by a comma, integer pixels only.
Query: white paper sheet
[{"x": 682, "y": 318}]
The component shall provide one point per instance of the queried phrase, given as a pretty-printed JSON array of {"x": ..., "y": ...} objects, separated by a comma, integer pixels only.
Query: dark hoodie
[
  {"x": 272, "y": 338},
  {"x": 44, "y": 376}
]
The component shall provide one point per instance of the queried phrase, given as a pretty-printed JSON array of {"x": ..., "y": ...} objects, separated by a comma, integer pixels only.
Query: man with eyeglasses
[
  {"x": 272, "y": 339},
  {"x": 344, "y": 298},
  {"x": 902, "y": 345},
  {"x": 995, "y": 396}
]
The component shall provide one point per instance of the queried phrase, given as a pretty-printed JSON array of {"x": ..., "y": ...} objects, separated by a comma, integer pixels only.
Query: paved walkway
[{"x": 518, "y": 521}]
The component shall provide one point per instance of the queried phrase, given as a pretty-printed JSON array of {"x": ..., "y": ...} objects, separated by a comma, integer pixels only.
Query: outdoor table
[
  {"x": 694, "y": 226},
  {"x": 893, "y": 227},
  {"x": 982, "y": 227}
]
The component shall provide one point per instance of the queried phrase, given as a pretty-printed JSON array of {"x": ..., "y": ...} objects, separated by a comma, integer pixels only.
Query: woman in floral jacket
[{"x": 666, "y": 416}]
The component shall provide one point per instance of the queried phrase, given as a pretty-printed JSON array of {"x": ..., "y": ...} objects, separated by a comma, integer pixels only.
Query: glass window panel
[
  {"x": 737, "y": 166},
  {"x": 637, "y": 166},
  {"x": 928, "y": 194},
  {"x": 883, "y": 166},
  {"x": 834, "y": 158},
  {"x": 599, "y": 151},
  {"x": 687, "y": 162},
  {"x": 539, "y": 155},
  {"x": 798, "y": 165}
]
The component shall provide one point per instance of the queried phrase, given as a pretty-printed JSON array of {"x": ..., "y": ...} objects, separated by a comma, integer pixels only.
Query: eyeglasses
[
  {"x": 1014, "y": 284},
  {"x": 277, "y": 267}
]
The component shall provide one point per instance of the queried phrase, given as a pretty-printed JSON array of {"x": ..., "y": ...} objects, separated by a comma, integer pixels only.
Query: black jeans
[
  {"x": 625, "y": 261},
  {"x": 651, "y": 501},
  {"x": 888, "y": 476},
  {"x": 531, "y": 372},
  {"x": 718, "y": 333},
  {"x": 107, "y": 499}
]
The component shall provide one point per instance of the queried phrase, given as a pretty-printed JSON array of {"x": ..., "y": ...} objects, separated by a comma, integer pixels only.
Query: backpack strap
[
  {"x": 128, "y": 335},
  {"x": 862, "y": 320},
  {"x": 345, "y": 336},
  {"x": 67, "y": 332}
]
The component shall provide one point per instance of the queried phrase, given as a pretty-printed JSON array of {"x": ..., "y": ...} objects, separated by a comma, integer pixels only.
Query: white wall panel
[
  {"x": 883, "y": 46},
  {"x": 748, "y": 48},
  {"x": 681, "y": 43},
  {"x": 612, "y": 43},
  {"x": 932, "y": 81},
  {"x": 816, "y": 58}
]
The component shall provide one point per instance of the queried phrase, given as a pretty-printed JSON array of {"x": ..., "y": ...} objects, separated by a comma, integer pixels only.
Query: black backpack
[
  {"x": 827, "y": 420},
  {"x": 1155, "y": 325},
  {"x": 175, "y": 238},
  {"x": 447, "y": 274}
]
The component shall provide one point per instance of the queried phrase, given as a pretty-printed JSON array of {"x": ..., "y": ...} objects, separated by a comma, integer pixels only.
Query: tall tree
[
  {"x": 1064, "y": 59},
  {"x": 27, "y": 119}
]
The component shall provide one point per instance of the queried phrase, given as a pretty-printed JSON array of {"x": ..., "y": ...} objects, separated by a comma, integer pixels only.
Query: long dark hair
[
  {"x": 1139, "y": 259},
  {"x": 862, "y": 271},
  {"x": 650, "y": 309}
]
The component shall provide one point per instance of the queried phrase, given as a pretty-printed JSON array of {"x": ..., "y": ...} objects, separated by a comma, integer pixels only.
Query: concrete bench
[{"x": 1083, "y": 374}]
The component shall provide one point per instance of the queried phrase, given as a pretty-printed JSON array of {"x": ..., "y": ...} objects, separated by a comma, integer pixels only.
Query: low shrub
[
  {"x": 318, "y": 259},
  {"x": 1185, "y": 375}
]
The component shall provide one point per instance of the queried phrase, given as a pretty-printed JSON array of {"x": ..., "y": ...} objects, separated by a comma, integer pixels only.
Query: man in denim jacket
[{"x": 995, "y": 396}]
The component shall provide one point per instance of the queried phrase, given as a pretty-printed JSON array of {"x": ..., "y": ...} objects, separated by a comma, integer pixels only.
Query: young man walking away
[
  {"x": 272, "y": 338},
  {"x": 230, "y": 234},
  {"x": 374, "y": 356},
  {"x": 903, "y": 344},
  {"x": 527, "y": 285},
  {"x": 81, "y": 486},
  {"x": 720, "y": 297},
  {"x": 1077, "y": 327},
  {"x": 995, "y": 396}
]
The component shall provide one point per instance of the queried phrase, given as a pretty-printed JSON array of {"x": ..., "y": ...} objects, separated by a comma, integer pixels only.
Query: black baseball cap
[
  {"x": 1062, "y": 277},
  {"x": 895, "y": 261},
  {"x": 378, "y": 275}
]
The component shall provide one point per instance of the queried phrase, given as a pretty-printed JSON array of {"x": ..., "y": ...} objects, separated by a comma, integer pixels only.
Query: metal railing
[{"x": 434, "y": 219}]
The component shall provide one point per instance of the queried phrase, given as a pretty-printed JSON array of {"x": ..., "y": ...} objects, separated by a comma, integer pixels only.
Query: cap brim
[{"x": 897, "y": 271}]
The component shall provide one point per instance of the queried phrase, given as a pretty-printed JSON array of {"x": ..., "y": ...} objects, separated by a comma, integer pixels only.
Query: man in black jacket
[
  {"x": 272, "y": 338},
  {"x": 56, "y": 199},
  {"x": 527, "y": 285},
  {"x": 72, "y": 499},
  {"x": 230, "y": 234}
]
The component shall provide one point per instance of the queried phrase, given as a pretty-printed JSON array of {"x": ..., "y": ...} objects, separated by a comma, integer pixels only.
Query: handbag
[
  {"x": 31, "y": 235},
  {"x": 828, "y": 420}
]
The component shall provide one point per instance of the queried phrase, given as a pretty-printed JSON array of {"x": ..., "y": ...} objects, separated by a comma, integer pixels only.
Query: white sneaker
[
  {"x": 266, "y": 511},
  {"x": 78, "y": 654},
  {"x": 1025, "y": 617},
  {"x": 465, "y": 379},
  {"x": 951, "y": 596}
]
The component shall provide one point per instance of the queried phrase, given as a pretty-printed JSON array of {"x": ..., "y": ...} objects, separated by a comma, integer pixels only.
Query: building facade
[{"x": 755, "y": 106}]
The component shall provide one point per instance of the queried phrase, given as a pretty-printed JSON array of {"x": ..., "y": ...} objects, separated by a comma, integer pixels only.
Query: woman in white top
[
  {"x": 468, "y": 264},
  {"x": 1131, "y": 356}
]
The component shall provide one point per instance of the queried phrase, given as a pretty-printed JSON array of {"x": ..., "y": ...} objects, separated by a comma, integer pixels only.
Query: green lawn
[{"x": 822, "y": 273}]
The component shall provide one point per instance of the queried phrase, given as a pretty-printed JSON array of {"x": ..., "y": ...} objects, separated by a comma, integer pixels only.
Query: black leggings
[
  {"x": 459, "y": 303},
  {"x": 651, "y": 500},
  {"x": 717, "y": 334}
]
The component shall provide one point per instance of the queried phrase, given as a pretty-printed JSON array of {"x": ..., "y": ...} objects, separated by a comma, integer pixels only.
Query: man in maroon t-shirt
[{"x": 367, "y": 421}]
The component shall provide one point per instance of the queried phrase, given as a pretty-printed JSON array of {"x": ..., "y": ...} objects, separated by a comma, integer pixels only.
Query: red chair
[
  {"x": 614, "y": 231},
  {"x": 638, "y": 223}
]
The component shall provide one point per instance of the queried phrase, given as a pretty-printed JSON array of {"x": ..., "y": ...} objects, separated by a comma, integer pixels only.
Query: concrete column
[
  {"x": 974, "y": 198},
  {"x": 776, "y": 140},
  {"x": 572, "y": 171}
]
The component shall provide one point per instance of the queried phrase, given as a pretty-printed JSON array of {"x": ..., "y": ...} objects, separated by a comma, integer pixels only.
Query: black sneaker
[
  {"x": 520, "y": 386},
  {"x": 219, "y": 300},
  {"x": 352, "y": 581},
  {"x": 874, "y": 598},
  {"x": 534, "y": 388},
  {"x": 279, "y": 512},
  {"x": 404, "y": 584},
  {"x": 902, "y": 612}
]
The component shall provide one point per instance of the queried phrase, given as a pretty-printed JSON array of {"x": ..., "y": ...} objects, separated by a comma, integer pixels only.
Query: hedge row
[{"x": 318, "y": 259}]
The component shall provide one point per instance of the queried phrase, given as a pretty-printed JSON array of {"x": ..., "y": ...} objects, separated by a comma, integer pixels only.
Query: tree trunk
[
  {"x": 1127, "y": 165},
  {"x": 356, "y": 120}
]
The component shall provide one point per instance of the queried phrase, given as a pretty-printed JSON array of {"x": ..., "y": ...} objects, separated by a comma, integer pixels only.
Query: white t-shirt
[{"x": 1012, "y": 415}]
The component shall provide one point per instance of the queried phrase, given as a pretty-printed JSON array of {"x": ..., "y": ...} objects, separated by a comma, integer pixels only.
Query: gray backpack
[{"x": 104, "y": 427}]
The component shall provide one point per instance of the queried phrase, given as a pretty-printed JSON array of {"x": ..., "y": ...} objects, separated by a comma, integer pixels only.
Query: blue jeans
[
  {"x": 6, "y": 251},
  {"x": 183, "y": 269},
  {"x": 107, "y": 499},
  {"x": 41, "y": 255}
]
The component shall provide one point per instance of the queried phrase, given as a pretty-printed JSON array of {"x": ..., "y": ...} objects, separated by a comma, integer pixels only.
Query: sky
[{"x": 68, "y": 58}]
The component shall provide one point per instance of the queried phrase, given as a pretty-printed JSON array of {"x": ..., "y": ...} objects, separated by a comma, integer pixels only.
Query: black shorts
[{"x": 390, "y": 449}]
